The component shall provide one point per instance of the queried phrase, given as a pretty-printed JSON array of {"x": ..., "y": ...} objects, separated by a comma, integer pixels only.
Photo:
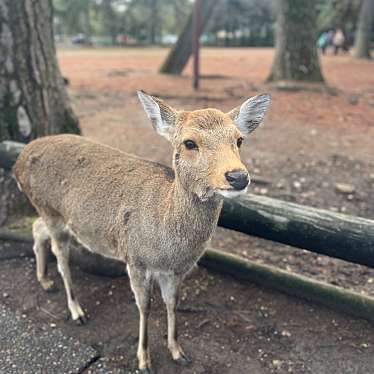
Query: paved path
[{"x": 27, "y": 349}]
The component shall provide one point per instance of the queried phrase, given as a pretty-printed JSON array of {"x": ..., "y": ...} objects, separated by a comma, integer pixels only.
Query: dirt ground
[
  {"x": 225, "y": 326},
  {"x": 311, "y": 140}
]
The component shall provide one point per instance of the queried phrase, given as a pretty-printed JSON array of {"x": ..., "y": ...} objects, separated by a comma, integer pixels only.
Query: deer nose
[{"x": 237, "y": 179}]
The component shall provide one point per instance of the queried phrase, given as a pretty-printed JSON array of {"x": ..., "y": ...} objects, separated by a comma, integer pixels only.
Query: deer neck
[{"x": 190, "y": 214}]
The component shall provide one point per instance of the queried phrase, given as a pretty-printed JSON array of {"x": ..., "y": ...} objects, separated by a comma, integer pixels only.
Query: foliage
[
  {"x": 243, "y": 22},
  {"x": 234, "y": 22},
  {"x": 112, "y": 17},
  {"x": 69, "y": 16},
  {"x": 338, "y": 14}
]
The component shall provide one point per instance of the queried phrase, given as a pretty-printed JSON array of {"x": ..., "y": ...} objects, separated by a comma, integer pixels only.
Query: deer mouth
[{"x": 231, "y": 193}]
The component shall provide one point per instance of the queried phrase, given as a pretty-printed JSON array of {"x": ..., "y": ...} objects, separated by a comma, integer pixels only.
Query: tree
[
  {"x": 33, "y": 99},
  {"x": 179, "y": 55},
  {"x": 296, "y": 56},
  {"x": 337, "y": 14},
  {"x": 242, "y": 23},
  {"x": 364, "y": 29},
  {"x": 179, "y": 15},
  {"x": 74, "y": 17}
]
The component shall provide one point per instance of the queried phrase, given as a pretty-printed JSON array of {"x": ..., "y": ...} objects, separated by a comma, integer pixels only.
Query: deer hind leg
[
  {"x": 169, "y": 284},
  {"x": 41, "y": 245},
  {"x": 141, "y": 285},
  {"x": 60, "y": 243}
]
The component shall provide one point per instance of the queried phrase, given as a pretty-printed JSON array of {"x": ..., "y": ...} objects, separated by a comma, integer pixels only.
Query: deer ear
[
  {"x": 250, "y": 114},
  {"x": 161, "y": 115}
]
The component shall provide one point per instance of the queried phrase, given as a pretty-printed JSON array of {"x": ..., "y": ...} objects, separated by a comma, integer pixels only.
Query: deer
[{"x": 155, "y": 219}]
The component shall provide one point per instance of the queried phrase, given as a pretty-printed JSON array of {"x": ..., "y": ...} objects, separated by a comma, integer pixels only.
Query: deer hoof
[
  {"x": 82, "y": 320},
  {"x": 48, "y": 285},
  {"x": 183, "y": 360},
  {"x": 146, "y": 371}
]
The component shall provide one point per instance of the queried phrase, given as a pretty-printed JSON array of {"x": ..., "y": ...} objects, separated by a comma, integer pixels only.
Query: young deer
[{"x": 155, "y": 219}]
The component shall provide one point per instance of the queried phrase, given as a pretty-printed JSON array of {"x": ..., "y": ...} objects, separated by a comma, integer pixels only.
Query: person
[
  {"x": 330, "y": 37},
  {"x": 338, "y": 41},
  {"x": 323, "y": 42}
]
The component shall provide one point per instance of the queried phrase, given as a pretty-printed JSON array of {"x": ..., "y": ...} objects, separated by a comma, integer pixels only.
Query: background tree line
[
  {"x": 232, "y": 22},
  {"x": 29, "y": 93}
]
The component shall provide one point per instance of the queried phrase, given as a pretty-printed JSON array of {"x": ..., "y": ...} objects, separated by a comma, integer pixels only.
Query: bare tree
[
  {"x": 296, "y": 56},
  {"x": 364, "y": 29},
  {"x": 33, "y": 99},
  {"x": 179, "y": 55}
]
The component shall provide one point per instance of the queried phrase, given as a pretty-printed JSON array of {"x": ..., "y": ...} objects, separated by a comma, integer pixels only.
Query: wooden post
[{"x": 195, "y": 43}]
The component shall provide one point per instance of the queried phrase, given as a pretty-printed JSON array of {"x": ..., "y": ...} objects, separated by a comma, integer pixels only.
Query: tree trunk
[
  {"x": 33, "y": 99},
  {"x": 296, "y": 56},
  {"x": 364, "y": 29},
  {"x": 179, "y": 55}
]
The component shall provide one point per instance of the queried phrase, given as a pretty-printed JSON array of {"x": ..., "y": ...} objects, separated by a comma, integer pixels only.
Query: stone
[{"x": 344, "y": 188}]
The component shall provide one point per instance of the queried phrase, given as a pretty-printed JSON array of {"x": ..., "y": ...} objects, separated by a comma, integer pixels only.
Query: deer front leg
[
  {"x": 141, "y": 285},
  {"x": 169, "y": 284}
]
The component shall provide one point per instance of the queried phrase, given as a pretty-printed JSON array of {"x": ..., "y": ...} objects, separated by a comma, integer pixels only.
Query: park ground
[{"x": 313, "y": 140}]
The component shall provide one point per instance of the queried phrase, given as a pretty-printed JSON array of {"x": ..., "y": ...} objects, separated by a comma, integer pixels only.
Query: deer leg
[
  {"x": 141, "y": 285},
  {"x": 60, "y": 248},
  {"x": 169, "y": 285},
  {"x": 41, "y": 243}
]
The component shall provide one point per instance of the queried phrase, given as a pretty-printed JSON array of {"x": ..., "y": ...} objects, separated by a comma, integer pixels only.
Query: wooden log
[
  {"x": 88, "y": 261},
  {"x": 14, "y": 236},
  {"x": 9, "y": 151},
  {"x": 322, "y": 293},
  {"x": 333, "y": 234},
  {"x": 181, "y": 52}
]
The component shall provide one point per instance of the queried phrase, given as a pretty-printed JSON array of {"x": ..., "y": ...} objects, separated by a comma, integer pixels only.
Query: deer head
[{"x": 206, "y": 143}]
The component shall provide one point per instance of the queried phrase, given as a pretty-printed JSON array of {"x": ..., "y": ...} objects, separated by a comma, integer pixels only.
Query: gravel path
[{"x": 29, "y": 348}]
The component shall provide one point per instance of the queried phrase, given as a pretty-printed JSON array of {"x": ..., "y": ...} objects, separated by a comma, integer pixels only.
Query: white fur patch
[{"x": 230, "y": 194}]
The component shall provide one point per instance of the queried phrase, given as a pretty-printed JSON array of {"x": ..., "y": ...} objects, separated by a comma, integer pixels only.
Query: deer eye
[
  {"x": 239, "y": 142},
  {"x": 190, "y": 144}
]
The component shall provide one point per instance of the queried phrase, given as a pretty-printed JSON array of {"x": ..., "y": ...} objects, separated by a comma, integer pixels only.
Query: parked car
[
  {"x": 169, "y": 39},
  {"x": 79, "y": 39}
]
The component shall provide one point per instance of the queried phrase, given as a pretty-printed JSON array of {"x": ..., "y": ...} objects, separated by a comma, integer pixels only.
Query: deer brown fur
[{"x": 155, "y": 219}]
